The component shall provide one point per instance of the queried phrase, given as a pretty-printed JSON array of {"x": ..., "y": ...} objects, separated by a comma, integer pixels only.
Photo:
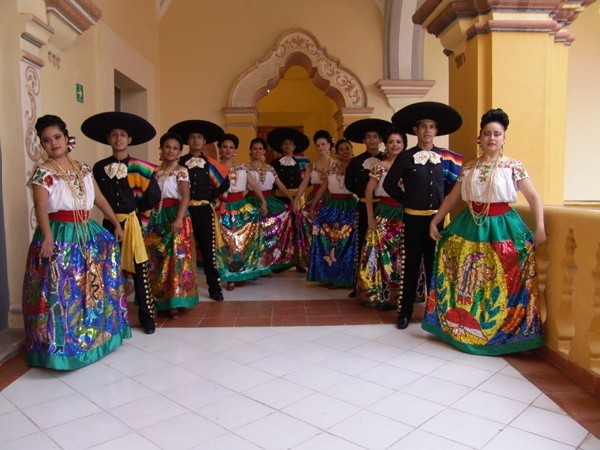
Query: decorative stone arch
[{"x": 296, "y": 47}]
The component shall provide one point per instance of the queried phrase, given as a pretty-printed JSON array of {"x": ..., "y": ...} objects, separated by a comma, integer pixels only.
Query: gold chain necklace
[
  {"x": 162, "y": 175},
  {"x": 77, "y": 189},
  {"x": 262, "y": 171},
  {"x": 340, "y": 175},
  {"x": 481, "y": 217}
]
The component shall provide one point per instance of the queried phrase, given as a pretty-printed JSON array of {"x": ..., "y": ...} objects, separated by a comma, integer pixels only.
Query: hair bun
[{"x": 495, "y": 115}]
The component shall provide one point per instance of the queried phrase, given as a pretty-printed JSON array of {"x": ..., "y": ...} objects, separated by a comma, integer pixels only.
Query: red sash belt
[
  {"x": 70, "y": 216},
  {"x": 496, "y": 209},
  {"x": 264, "y": 193},
  {"x": 234, "y": 196},
  {"x": 169, "y": 201},
  {"x": 341, "y": 196},
  {"x": 315, "y": 188},
  {"x": 389, "y": 201}
]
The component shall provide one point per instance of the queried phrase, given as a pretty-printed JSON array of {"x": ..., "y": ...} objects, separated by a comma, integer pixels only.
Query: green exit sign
[{"x": 79, "y": 92}]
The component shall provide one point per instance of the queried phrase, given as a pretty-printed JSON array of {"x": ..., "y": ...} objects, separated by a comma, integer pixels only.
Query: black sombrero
[
  {"x": 356, "y": 131},
  {"x": 211, "y": 131},
  {"x": 278, "y": 135},
  {"x": 98, "y": 127},
  {"x": 447, "y": 118}
]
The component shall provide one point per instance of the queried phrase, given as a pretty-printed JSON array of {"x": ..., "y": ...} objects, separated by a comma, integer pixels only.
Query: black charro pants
[
  {"x": 417, "y": 245},
  {"x": 203, "y": 225}
]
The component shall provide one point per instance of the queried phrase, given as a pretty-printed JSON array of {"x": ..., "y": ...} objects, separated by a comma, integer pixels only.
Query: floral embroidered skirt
[
  {"x": 278, "y": 231},
  {"x": 379, "y": 281},
  {"x": 241, "y": 251},
  {"x": 74, "y": 307},
  {"x": 172, "y": 260},
  {"x": 333, "y": 249},
  {"x": 483, "y": 296}
]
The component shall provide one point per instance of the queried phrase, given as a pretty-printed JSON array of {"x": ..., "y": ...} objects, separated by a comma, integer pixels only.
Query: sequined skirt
[
  {"x": 278, "y": 232},
  {"x": 303, "y": 228},
  {"x": 171, "y": 257},
  {"x": 483, "y": 296},
  {"x": 379, "y": 281},
  {"x": 241, "y": 253},
  {"x": 74, "y": 307},
  {"x": 333, "y": 249}
]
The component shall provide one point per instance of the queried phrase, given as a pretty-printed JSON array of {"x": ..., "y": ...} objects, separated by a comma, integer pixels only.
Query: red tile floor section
[{"x": 580, "y": 403}]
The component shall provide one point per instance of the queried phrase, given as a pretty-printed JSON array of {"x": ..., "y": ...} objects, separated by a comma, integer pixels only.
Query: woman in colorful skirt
[
  {"x": 379, "y": 281},
  {"x": 241, "y": 250},
  {"x": 168, "y": 237},
  {"x": 315, "y": 175},
  {"x": 333, "y": 249},
  {"x": 484, "y": 289},
  {"x": 277, "y": 225},
  {"x": 74, "y": 306}
]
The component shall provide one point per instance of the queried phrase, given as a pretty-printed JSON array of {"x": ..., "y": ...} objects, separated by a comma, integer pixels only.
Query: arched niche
[
  {"x": 295, "y": 47},
  {"x": 298, "y": 47}
]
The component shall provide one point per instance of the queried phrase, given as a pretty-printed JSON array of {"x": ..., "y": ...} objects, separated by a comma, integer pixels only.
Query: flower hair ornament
[{"x": 71, "y": 142}]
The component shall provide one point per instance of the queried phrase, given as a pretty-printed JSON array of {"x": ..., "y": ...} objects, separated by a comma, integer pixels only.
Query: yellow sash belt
[
  {"x": 420, "y": 212},
  {"x": 133, "y": 248},
  {"x": 198, "y": 202}
]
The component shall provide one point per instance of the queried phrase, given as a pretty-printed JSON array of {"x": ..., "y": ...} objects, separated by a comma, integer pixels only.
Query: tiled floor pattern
[{"x": 310, "y": 387}]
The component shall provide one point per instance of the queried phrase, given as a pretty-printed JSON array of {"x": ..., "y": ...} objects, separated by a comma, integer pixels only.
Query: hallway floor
[{"x": 241, "y": 374}]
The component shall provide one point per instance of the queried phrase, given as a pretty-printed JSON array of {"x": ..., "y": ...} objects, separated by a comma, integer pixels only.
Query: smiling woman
[
  {"x": 74, "y": 306},
  {"x": 168, "y": 237},
  {"x": 484, "y": 291}
]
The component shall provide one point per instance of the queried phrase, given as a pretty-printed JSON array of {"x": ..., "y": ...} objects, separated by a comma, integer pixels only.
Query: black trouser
[
  {"x": 141, "y": 283},
  {"x": 417, "y": 245},
  {"x": 203, "y": 225},
  {"x": 361, "y": 231}
]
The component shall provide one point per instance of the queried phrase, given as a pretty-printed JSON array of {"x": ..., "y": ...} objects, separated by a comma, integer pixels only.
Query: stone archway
[{"x": 295, "y": 47}]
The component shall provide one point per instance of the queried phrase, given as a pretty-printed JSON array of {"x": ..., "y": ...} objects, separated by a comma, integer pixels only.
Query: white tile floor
[{"x": 341, "y": 387}]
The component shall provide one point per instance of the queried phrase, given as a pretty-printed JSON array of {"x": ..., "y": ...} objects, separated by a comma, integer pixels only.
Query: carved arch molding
[{"x": 298, "y": 47}]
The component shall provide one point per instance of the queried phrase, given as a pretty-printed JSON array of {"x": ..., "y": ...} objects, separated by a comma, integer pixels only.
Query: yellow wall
[
  {"x": 204, "y": 50},
  {"x": 90, "y": 61},
  {"x": 582, "y": 164}
]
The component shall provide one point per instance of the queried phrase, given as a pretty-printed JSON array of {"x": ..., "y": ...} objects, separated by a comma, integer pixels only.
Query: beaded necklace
[
  {"x": 162, "y": 175},
  {"x": 78, "y": 192},
  {"x": 486, "y": 196},
  {"x": 323, "y": 172},
  {"x": 340, "y": 174},
  {"x": 261, "y": 169}
]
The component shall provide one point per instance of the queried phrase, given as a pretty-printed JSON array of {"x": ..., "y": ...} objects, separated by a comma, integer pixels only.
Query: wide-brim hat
[
  {"x": 448, "y": 120},
  {"x": 99, "y": 126},
  {"x": 356, "y": 131},
  {"x": 211, "y": 131},
  {"x": 278, "y": 135}
]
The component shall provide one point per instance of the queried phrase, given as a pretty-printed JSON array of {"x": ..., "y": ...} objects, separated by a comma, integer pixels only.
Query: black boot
[
  {"x": 146, "y": 308},
  {"x": 404, "y": 315}
]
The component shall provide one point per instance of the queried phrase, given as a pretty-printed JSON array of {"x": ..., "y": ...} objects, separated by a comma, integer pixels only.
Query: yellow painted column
[{"x": 514, "y": 59}]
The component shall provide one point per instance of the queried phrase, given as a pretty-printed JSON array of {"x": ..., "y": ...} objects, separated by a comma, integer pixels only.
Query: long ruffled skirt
[
  {"x": 484, "y": 289},
  {"x": 278, "y": 231},
  {"x": 241, "y": 253},
  {"x": 172, "y": 261},
  {"x": 379, "y": 281},
  {"x": 333, "y": 249},
  {"x": 74, "y": 307}
]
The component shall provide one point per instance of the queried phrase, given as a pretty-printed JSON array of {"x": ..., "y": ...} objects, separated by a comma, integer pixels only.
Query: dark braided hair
[
  {"x": 494, "y": 115},
  {"x": 324, "y": 134},
  {"x": 50, "y": 121}
]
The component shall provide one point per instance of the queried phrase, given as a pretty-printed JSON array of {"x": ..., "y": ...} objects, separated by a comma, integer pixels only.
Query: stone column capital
[{"x": 457, "y": 21}]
